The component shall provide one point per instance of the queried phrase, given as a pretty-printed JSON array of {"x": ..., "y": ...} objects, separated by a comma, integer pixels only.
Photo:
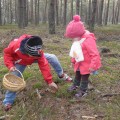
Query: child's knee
[{"x": 53, "y": 57}]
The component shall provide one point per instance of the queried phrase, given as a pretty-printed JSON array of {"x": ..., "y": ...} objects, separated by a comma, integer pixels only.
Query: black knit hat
[{"x": 33, "y": 45}]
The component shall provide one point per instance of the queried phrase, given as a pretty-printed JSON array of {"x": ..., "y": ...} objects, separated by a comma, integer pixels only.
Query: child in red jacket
[
  {"x": 84, "y": 54},
  {"x": 22, "y": 52}
]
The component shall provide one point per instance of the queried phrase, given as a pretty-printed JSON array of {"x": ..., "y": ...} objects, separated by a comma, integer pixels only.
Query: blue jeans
[{"x": 54, "y": 62}]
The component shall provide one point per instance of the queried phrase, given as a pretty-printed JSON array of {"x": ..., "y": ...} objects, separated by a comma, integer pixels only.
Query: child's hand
[
  {"x": 53, "y": 87},
  {"x": 12, "y": 69},
  {"x": 91, "y": 69}
]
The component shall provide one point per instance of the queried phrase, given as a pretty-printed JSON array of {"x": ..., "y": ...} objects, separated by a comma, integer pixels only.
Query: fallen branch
[
  {"x": 92, "y": 117},
  {"x": 107, "y": 95},
  {"x": 110, "y": 94},
  {"x": 89, "y": 117},
  {"x": 111, "y": 55}
]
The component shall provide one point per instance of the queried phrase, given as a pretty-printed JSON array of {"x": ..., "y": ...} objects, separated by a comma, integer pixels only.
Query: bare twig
[
  {"x": 107, "y": 95},
  {"x": 110, "y": 94},
  {"x": 89, "y": 117},
  {"x": 92, "y": 117},
  {"x": 38, "y": 93}
]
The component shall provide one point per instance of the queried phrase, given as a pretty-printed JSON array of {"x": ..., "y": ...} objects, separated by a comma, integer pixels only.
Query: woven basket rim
[
  {"x": 14, "y": 86},
  {"x": 9, "y": 74}
]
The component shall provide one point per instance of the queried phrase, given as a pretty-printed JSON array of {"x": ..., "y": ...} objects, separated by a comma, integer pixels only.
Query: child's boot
[
  {"x": 80, "y": 94},
  {"x": 65, "y": 77},
  {"x": 83, "y": 89},
  {"x": 76, "y": 82},
  {"x": 74, "y": 86},
  {"x": 7, "y": 107}
]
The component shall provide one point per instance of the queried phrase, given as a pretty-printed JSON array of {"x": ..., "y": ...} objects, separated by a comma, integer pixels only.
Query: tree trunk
[
  {"x": 113, "y": 12},
  {"x": 100, "y": 13},
  {"x": 118, "y": 12},
  {"x": 51, "y": 16},
  {"x": 36, "y": 12},
  {"x": 89, "y": 13},
  {"x": 16, "y": 11},
  {"x": 61, "y": 11},
  {"x": 86, "y": 13},
  {"x": 56, "y": 12},
  {"x": 65, "y": 12},
  {"x": 45, "y": 13},
  {"x": 31, "y": 9},
  {"x": 97, "y": 12},
  {"x": 10, "y": 14},
  {"x": 4, "y": 12},
  {"x": 26, "y": 12},
  {"x": 117, "y": 9},
  {"x": 21, "y": 13},
  {"x": 71, "y": 13},
  {"x": 92, "y": 23},
  {"x": 107, "y": 10},
  {"x": 7, "y": 11},
  {"x": 0, "y": 14},
  {"x": 81, "y": 9},
  {"x": 77, "y": 6}
]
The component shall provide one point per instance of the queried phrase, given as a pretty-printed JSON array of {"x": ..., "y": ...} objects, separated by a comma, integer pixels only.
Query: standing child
[{"x": 84, "y": 53}]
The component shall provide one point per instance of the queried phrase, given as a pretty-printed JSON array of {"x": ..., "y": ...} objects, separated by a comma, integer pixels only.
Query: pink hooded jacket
[
  {"x": 91, "y": 55},
  {"x": 76, "y": 29}
]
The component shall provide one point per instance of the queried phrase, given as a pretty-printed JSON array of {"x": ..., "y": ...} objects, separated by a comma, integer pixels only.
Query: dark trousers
[{"x": 81, "y": 80}]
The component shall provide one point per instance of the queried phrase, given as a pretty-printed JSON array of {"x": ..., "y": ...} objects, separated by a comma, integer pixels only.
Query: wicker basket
[{"x": 14, "y": 83}]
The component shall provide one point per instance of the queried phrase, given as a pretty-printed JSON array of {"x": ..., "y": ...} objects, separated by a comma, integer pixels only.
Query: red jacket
[
  {"x": 13, "y": 55},
  {"x": 90, "y": 53}
]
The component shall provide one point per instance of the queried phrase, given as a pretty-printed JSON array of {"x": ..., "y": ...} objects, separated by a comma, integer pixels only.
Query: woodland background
[
  {"x": 59, "y": 12},
  {"x": 48, "y": 19}
]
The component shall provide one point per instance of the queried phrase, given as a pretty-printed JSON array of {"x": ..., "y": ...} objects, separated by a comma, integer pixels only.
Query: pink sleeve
[
  {"x": 93, "y": 52},
  {"x": 73, "y": 60}
]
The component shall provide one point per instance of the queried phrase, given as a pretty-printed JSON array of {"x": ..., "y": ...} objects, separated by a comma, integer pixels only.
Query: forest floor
[{"x": 101, "y": 103}]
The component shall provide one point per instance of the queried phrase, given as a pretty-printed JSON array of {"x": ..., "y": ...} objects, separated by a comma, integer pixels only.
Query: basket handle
[{"x": 20, "y": 73}]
